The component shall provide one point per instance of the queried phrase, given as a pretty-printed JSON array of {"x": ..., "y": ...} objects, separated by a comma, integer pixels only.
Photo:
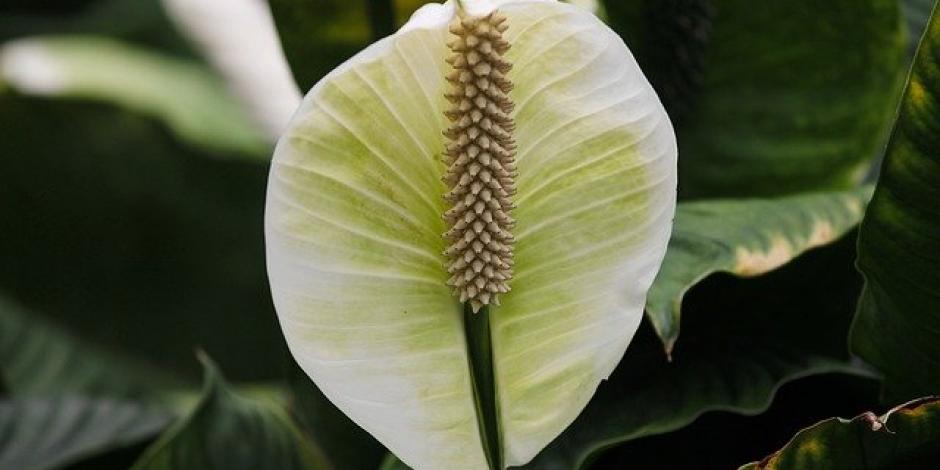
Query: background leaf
[
  {"x": 229, "y": 431},
  {"x": 134, "y": 241},
  {"x": 184, "y": 94},
  {"x": 38, "y": 434},
  {"x": 745, "y": 237},
  {"x": 905, "y": 437},
  {"x": 802, "y": 106},
  {"x": 743, "y": 338},
  {"x": 899, "y": 242},
  {"x": 39, "y": 359}
]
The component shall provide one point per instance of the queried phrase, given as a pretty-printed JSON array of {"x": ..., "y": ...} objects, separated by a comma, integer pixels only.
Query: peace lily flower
[{"x": 462, "y": 223}]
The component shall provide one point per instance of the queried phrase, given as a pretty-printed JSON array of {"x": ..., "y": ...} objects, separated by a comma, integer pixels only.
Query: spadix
[{"x": 366, "y": 180}]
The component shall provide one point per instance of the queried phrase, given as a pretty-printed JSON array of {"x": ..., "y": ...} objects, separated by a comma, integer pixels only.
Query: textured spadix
[{"x": 354, "y": 223}]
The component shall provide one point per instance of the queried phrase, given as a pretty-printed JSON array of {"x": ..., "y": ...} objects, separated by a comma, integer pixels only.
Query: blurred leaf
[
  {"x": 229, "y": 431},
  {"x": 40, "y": 434},
  {"x": 802, "y": 106},
  {"x": 392, "y": 463},
  {"x": 142, "y": 22},
  {"x": 898, "y": 323},
  {"x": 134, "y": 241},
  {"x": 917, "y": 14},
  {"x": 907, "y": 436},
  {"x": 185, "y": 95},
  {"x": 345, "y": 444},
  {"x": 742, "y": 339},
  {"x": 318, "y": 35},
  {"x": 38, "y": 358},
  {"x": 745, "y": 237}
]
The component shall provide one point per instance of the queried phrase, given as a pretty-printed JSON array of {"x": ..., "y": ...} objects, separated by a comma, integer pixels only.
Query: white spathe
[
  {"x": 239, "y": 39},
  {"x": 353, "y": 230}
]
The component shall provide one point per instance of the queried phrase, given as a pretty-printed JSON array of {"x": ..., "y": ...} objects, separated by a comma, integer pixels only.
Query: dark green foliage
[{"x": 899, "y": 244}]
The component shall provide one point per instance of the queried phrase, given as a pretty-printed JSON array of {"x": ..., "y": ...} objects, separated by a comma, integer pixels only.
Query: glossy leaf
[
  {"x": 39, "y": 434},
  {"x": 39, "y": 359},
  {"x": 907, "y": 436},
  {"x": 744, "y": 237},
  {"x": 353, "y": 227},
  {"x": 230, "y": 431},
  {"x": 742, "y": 339},
  {"x": 186, "y": 96},
  {"x": 794, "y": 96},
  {"x": 898, "y": 324}
]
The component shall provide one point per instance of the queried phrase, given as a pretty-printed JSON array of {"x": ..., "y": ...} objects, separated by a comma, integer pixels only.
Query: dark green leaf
[
  {"x": 742, "y": 339},
  {"x": 133, "y": 240},
  {"x": 318, "y": 35},
  {"x": 907, "y": 436},
  {"x": 229, "y": 431},
  {"x": 795, "y": 95},
  {"x": 40, "y": 434},
  {"x": 745, "y": 237},
  {"x": 38, "y": 358},
  {"x": 898, "y": 323}
]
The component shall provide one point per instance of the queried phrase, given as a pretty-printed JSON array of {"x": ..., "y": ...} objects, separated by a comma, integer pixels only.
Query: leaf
[
  {"x": 916, "y": 14},
  {"x": 229, "y": 431},
  {"x": 39, "y": 359},
  {"x": 353, "y": 233},
  {"x": 744, "y": 237},
  {"x": 743, "y": 338},
  {"x": 898, "y": 318},
  {"x": 134, "y": 241},
  {"x": 802, "y": 106},
  {"x": 189, "y": 99},
  {"x": 317, "y": 35},
  {"x": 907, "y": 436},
  {"x": 37, "y": 434}
]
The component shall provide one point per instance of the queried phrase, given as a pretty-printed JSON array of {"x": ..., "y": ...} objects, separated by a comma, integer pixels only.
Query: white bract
[{"x": 353, "y": 229}]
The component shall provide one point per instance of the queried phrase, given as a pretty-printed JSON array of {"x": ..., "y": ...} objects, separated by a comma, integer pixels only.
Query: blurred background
[{"x": 135, "y": 136}]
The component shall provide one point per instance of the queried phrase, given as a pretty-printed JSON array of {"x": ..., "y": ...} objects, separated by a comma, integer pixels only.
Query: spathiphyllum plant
[{"x": 462, "y": 223}]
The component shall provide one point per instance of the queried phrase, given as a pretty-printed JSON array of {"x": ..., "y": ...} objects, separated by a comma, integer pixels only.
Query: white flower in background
[{"x": 239, "y": 39}]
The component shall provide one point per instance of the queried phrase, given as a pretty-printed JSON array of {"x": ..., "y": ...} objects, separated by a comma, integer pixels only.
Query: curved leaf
[
  {"x": 38, "y": 434},
  {"x": 802, "y": 106},
  {"x": 743, "y": 338},
  {"x": 907, "y": 436},
  {"x": 899, "y": 312},
  {"x": 183, "y": 94},
  {"x": 104, "y": 229},
  {"x": 229, "y": 431},
  {"x": 39, "y": 359},
  {"x": 353, "y": 228},
  {"x": 745, "y": 237}
]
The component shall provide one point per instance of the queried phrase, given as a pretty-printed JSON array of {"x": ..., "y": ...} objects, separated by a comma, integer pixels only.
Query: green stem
[
  {"x": 480, "y": 348},
  {"x": 381, "y": 15}
]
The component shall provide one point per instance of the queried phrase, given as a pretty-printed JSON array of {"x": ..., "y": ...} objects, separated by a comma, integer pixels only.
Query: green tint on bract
[{"x": 353, "y": 226}]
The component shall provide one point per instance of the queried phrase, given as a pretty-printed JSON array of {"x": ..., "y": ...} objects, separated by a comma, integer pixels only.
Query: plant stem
[{"x": 480, "y": 349}]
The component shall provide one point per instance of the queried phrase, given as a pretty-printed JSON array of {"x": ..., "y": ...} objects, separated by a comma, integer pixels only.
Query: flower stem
[{"x": 480, "y": 349}]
